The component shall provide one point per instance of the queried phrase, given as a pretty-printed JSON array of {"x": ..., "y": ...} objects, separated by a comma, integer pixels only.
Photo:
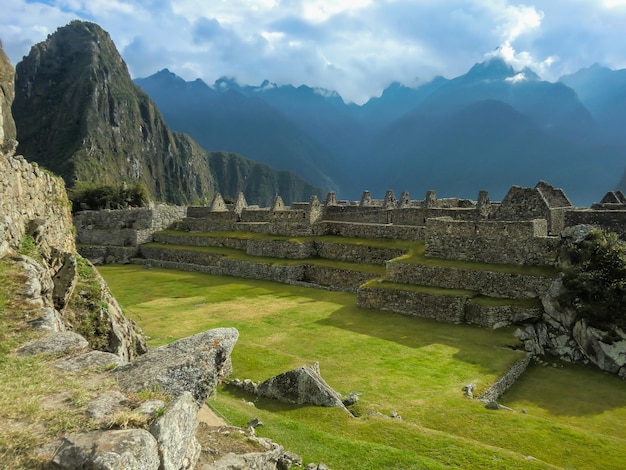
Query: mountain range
[
  {"x": 487, "y": 129},
  {"x": 78, "y": 114}
]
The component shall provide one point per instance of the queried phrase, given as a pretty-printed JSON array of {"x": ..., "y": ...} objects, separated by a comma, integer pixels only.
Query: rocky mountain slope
[{"x": 79, "y": 114}]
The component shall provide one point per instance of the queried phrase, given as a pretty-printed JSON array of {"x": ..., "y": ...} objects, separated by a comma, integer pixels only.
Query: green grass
[
  {"x": 31, "y": 390},
  {"x": 411, "y": 366}
]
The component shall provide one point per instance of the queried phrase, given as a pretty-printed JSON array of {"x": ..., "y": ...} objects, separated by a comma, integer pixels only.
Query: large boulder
[
  {"x": 194, "y": 364},
  {"x": 606, "y": 349},
  {"x": 175, "y": 432},
  {"x": 104, "y": 450},
  {"x": 302, "y": 386}
]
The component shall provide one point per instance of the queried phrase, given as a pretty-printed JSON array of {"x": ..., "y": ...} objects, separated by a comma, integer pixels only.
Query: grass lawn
[{"x": 406, "y": 365}]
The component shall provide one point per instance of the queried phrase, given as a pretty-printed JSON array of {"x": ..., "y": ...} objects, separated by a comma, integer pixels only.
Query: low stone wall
[
  {"x": 492, "y": 241},
  {"x": 268, "y": 272},
  {"x": 366, "y": 230},
  {"x": 102, "y": 254},
  {"x": 181, "y": 256},
  {"x": 355, "y": 253},
  {"x": 191, "y": 239},
  {"x": 497, "y": 390},
  {"x": 611, "y": 220},
  {"x": 490, "y": 283},
  {"x": 280, "y": 249},
  {"x": 132, "y": 226},
  {"x": 498, "y": 316},
  {"x": 336, "y": 279},
  {"x": 448, "y": 308}
]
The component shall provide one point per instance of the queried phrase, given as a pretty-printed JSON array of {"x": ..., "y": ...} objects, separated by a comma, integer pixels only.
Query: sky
[{"x": 354, "y": 47}]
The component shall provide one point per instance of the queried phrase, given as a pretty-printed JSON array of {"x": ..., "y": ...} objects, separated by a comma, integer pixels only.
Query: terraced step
[
  {"x": 362, "y": 251},
  {"x": 489, "y": 280},
  {"x": 443, "y": 304},
  {"x": 232, "y": 262}
]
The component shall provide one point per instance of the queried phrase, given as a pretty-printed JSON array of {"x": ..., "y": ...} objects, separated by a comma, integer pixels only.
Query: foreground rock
[
  {"x": 105, "y": 450},
  {"x": 195, "y": 364},
  {"x": 301, "y": 386}
]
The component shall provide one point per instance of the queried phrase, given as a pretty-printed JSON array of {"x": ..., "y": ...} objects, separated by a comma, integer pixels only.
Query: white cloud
[{"x": 355, "y": 47}]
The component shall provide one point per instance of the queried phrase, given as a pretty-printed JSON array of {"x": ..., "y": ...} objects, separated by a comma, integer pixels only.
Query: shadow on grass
[
  {"x": 568, "y": 390},
  {"x": 490, "y": 349}
]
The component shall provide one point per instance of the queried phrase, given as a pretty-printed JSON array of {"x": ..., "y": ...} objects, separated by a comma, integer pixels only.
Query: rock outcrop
[
  {"x": 79, "y": 114},
  {"x": 194, "y": 364},
  {"x": 563, "y": 333},
  {"x": 301, "y": 386}
]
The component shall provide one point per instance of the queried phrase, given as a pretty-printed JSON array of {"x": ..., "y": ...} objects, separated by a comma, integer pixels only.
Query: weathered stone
[
  {"x": 175, "y": 433},
  {"x": 90, "y": 360},
  {"x": 105, "y": 450},
  {"x": 64, "y": 281},
  {"x": 47, "y": 318},
  {"x": 261, "y": 460},
  {"x": 55, "y": 343},
  {"x": 194, "y": 364},
  {"x": 608, "y": 355},
  {"x": 303, "y": 385},
  {"x": 106, "y": 405},
  {"x": 151, "y": 407}
]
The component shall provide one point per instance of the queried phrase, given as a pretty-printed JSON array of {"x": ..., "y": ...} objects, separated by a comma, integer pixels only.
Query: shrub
[
  {"x": 94, "y": 197},
  {"x": 595, "y": 281}
]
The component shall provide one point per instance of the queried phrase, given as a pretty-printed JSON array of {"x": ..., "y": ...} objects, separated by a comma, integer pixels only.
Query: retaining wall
[
  {"x": 523, "y": 242},
  {"x": 490, "y": 283},
  {"x": 181, "y": 256},
  {"x": 611, "y": 220},
  {"x": 362, "y": 230},
  {"x": 132, "y": 226},
  {"x": 497, "y": 390},
  {"x": 448, "y": 308},
  {"x": 498, "y": 316}
]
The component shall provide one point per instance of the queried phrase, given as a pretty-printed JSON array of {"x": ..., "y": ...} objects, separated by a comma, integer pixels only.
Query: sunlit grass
[{"x": 406, "y": 365}]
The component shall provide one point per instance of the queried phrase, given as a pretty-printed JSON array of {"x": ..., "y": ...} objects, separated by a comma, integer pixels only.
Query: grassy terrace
[
  {"x": 242, "y": 256},
  {"x": 414, "y": 251},
  {"x": 412, "y": 366}
]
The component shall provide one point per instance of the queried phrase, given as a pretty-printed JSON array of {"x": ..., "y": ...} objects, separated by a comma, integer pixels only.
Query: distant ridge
[{"x": 490, "y": 128}]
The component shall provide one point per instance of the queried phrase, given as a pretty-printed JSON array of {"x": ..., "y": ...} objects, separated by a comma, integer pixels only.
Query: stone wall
[
  {"x": 490, "y": 283},
  {"x": 355, "y": 253},
  {"x": 191, "y": 239},
  {"x": 181, "y": 256},
  {"x": 34, "y": 201},
  {"x": 132, "y": 226},
  {"x": 497, "y": 390},
  {"x": 362, "y": 230},
  {"x": 280, "y": 248},
  {"x": 451, "y": 308},
  {"x": 497, "y": 316},
  {"x": 490, "y": 241},
  {"x": 611, "y": 220},
  {"x": 336, "y": 279},
  {"x": 448, "y": 308}
]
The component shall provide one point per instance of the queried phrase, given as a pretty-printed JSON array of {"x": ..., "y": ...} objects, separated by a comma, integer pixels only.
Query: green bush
[
  {"x": 595, "y": 281},
  {"x": 94, "y": 197}
]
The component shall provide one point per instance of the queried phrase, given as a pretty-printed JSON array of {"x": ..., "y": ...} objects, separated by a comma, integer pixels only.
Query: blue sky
[{"x": 356, "y": 47}]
